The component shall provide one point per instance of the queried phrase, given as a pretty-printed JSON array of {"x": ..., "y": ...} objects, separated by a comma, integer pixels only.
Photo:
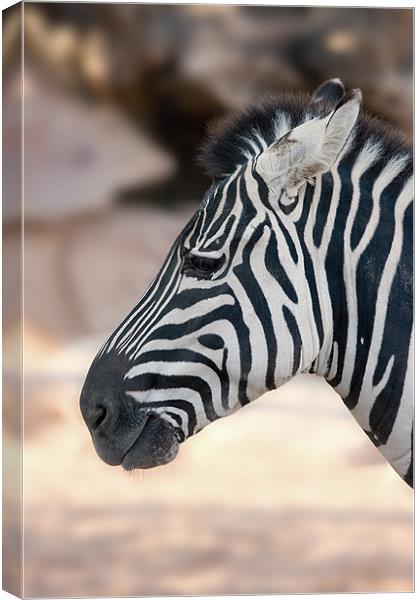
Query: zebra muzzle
[{"x": 123, "y": 432}]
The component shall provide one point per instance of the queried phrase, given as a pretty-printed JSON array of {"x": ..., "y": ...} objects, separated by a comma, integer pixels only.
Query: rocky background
[{"x": 285, "y": 496}]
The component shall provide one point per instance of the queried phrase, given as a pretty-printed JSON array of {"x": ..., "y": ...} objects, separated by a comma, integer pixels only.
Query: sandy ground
[{"x": 287, "y": 495}]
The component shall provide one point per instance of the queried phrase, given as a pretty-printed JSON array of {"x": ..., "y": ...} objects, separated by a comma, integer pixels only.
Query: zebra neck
[{"x": 361, "y": 220}]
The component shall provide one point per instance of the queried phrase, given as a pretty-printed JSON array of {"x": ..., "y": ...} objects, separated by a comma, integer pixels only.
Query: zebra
[{"x": 298, "y": 260}]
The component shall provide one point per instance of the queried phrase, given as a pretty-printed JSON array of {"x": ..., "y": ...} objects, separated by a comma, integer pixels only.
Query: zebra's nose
[{"x": 99, "y": 414}]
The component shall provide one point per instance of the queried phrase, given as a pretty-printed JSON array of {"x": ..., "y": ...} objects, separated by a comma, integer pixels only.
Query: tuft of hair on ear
[{"x": 326, "y": 97}]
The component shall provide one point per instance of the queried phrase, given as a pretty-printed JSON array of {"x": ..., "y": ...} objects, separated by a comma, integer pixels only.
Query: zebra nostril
[
  {"x": 98, "y": 416},
  {"x": 100, "y": 410}
]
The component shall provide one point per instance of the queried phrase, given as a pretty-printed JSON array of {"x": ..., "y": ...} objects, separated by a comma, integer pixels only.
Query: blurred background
[{"x": 288, "y": 495}]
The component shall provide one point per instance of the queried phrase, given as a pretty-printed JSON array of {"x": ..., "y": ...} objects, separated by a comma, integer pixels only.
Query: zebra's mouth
[{"x": 155, "y": 445}]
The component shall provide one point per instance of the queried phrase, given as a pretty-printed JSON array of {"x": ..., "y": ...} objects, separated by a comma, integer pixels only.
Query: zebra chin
[{"x": 155, "y": 444}]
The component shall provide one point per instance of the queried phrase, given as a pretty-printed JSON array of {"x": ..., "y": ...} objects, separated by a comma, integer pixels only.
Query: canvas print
[{"x": 208, "y": 212}]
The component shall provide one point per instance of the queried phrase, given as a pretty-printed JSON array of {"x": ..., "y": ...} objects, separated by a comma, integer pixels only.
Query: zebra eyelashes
[{"x": 201, "y": 267}]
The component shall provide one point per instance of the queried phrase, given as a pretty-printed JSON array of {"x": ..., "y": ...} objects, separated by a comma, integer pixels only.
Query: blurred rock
[
  {"x": 171, "y": 69},
  {"x": 77, "y": 155},
  {"x": 123, "y": 248},
  {"x": 235, "y": 54},
  {"x": 125, "y": 251},
  {"x": 368, "y": 48}
]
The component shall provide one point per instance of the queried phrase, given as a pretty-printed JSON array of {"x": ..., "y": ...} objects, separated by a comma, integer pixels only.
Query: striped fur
[{"x": 260, "y": 286}]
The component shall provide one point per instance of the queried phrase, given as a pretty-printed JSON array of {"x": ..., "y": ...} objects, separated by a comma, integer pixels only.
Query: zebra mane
[{"x": 234, "y": 140}]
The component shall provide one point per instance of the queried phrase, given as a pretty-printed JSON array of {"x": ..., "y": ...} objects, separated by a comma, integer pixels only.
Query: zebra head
[{"x": 229, "y": 315}]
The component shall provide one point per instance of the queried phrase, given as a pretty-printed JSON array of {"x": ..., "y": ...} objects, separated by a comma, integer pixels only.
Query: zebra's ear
[
  {"x": 326, "y": 97},
  {"x": 339, "y": 125},
  {"x": 311, "y": 148}
]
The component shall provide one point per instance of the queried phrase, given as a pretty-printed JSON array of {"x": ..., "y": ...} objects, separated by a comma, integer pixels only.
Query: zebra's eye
[{"x": 201, "y": 266}]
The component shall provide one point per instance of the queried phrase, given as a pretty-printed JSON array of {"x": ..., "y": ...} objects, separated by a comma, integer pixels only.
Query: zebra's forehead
[{"x": 221, "y": 206}]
